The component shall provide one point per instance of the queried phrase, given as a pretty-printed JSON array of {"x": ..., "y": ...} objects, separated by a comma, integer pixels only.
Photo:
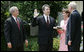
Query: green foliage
[
  {"x": 4, "y": 15},
  {"x": 3, "y": 44},
  {"x": 33, "y": 45},
  {"x": 56, "y": 43},
  {"x": 26, "y": 9}
]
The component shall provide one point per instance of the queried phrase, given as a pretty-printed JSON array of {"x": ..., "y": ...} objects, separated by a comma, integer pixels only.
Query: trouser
[
  {"x": 74, "y": 48},
  {"x": 17, "y": 48},
  {"x": 45, "y": 47}
]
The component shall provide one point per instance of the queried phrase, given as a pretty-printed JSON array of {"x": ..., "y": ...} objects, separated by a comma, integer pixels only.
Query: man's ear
[{"x": 43, "y": 11}]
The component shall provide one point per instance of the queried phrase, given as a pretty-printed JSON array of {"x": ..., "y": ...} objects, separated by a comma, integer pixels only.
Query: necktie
[
  {"x": 18, "y": 23},
  {"x": 47, "y": 21}
]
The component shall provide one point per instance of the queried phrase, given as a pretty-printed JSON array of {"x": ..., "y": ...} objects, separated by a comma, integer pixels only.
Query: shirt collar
[
  {"x": 14, "y": 17},
  {"x": 45, "y": 15},
  {"x": 73, "y": 10}
]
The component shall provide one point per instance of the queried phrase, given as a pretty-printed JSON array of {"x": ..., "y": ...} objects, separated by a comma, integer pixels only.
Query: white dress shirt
[
  {"x": 46, "y": 18},
  {"x": 14, "y": 18}
]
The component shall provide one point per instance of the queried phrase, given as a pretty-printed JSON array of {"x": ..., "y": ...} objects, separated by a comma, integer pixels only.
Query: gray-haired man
[{"x": 14, "y": 31}]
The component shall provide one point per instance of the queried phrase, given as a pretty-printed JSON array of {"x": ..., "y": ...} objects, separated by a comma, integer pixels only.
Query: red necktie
[
  {"x": 18, "y": 23},
  {"x": 47, "y": 21}
]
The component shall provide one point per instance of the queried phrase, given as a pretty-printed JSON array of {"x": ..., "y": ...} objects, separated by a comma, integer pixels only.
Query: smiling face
[{"x": 65, "y": 13}]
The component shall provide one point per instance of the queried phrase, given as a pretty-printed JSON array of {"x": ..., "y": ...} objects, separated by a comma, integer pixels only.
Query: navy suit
[
  {"x": 73, "y": 31},
  {"x": 45, "y": 35}
]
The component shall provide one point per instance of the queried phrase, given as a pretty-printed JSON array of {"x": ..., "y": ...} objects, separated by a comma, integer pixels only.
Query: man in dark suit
[
  {"x": 46, "y": 24},
  {"x": 73, "y": 33},
  {"x": 14, "y": 31}
]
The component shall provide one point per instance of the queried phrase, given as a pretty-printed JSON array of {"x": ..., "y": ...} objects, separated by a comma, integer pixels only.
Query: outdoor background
[{"x": 26, "y": 10}]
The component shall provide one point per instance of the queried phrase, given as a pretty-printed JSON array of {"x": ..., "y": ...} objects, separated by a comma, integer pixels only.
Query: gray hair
[
  {"x": 12, "y": 9},
  {"x": 45, "y": 5},
  {"x": 72, "y": 4}
]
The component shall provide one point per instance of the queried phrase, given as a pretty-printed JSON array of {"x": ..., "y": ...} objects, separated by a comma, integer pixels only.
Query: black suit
[
  {"x": 73, "y": 32},
  {"x": 13, "y": 34},
  {"x": 45, "y": 35}
]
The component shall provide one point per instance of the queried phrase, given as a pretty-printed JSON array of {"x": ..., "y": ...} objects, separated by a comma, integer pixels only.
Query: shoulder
[
  {"x": 8, "y": 19},
  {"x": 39, "y": 17},
  {"x": 52, "y": 18},
  {"x": 20, "y": 19},
  {"x": 62, "y": 21},
  {"x": 75, "y": 13}
]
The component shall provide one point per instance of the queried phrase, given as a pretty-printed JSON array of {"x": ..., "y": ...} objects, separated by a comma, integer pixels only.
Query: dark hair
[
  {"x": 45, "y": 5},
  {"x": 66, "y": 11}
]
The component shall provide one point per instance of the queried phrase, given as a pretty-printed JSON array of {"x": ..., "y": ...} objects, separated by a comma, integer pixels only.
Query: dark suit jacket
[
  {"x": 73, "y": 32},
  {"x": 12, "y": 32},
  {"x": 45, "y": 32}
]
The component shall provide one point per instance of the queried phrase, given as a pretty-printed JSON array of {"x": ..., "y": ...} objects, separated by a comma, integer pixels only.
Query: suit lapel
[
  {"x": 44, "y": 20},
  {"x": 14, "y": 23},
  {"x": 49, "y": 20}
]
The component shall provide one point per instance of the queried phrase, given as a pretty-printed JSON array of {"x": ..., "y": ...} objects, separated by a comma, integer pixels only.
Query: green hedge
[
  {"x": 26, "y": 9},
  {"x": 33, "y": 45}
]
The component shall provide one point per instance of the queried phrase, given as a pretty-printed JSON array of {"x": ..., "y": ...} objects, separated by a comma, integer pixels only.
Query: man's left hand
[
  {"x": 26, "y": 43},
  {"x": 69, "y": 43}
]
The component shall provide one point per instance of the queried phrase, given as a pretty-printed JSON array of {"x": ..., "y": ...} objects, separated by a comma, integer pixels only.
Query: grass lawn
[{"x": 33, "y": 45}]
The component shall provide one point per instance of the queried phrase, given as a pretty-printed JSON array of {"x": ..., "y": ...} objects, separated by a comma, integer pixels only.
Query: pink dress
[{"x": 63, "y": 46}]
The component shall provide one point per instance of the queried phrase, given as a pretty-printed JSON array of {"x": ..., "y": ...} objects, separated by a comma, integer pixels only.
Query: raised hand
[{"x": 35, "y": 13}]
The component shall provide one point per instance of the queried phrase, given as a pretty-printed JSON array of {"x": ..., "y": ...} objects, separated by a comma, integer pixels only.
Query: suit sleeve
[
  {"x": 7, "y": 30},
  {"x": 72, "y": 26},
  {"x": 55, "y": 31},
  {"x": 24, "y": 31},
  {"x": 35, "y": 21},
  {"x": 55, "y": 24}
]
